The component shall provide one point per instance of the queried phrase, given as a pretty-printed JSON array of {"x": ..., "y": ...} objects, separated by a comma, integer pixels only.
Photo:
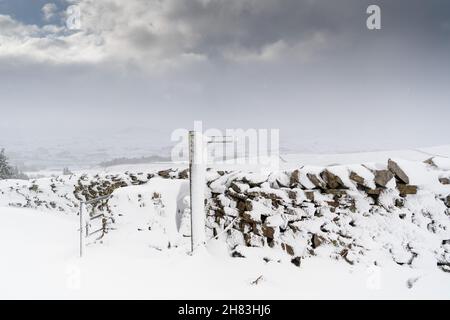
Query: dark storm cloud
[
  {"x": 311, "y": 68},
  {"x": 257, "y": 23},
  {"x": 253, "y": 24},
  {"x": 217, "y": 28}
]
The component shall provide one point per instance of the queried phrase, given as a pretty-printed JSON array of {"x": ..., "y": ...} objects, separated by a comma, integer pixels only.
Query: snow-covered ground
[
  {"x": 146, "y": 255},
  {"x": 40, "y": 260},
  {"x": 419, "y": 154}
]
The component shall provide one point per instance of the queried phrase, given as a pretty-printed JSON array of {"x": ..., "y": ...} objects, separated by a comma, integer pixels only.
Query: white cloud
[
  {"x": 153, "y": 35},
  {"x": 10, "y": 28},
  {"x": 47, "y": 44},
  {"x": 49, "y": 11}
]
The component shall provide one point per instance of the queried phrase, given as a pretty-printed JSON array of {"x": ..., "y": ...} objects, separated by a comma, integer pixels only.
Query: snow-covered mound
[{"x": 154, "y": 215}]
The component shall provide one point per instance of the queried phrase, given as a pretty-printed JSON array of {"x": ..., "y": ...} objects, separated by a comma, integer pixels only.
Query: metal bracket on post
[{"x": 220, "y": 139}]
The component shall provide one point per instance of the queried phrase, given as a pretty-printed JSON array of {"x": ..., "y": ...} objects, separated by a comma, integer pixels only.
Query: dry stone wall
[
  {"x": 355, "y": 213},
  {"x": 373, "y": 213}
]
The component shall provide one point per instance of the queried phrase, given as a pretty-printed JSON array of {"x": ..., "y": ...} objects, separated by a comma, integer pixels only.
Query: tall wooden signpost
[{"x": 198, "y": 159}]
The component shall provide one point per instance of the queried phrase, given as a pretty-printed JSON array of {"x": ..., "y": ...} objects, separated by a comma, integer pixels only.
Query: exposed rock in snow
[
  {"x": 405, "y": 189},
  {"x": 397, "y": 171},
  {"x": 332, "y": 181},
  {"x": 383, "y": 177},
  {"x": 316, "y": 181}
]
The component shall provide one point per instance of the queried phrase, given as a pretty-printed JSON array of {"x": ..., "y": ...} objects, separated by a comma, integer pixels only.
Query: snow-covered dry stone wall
[
  {"x": 64, "y": 193},
  {"x": 374, "y": 214},
  {"x": 397, "y": 212}
]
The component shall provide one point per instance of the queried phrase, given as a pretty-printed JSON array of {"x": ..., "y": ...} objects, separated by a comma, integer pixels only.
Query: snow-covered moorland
[{"x": 378, "y": 230}]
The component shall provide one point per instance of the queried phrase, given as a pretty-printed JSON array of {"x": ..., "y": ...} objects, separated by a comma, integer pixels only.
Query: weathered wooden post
[
  {"x": 81, "y": 228},
  {"x": 197, "y": 174},
  {"x": 198, "y": 159}
]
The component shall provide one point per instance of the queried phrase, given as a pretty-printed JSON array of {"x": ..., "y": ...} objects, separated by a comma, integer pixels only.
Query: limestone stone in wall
[
  {"x": 383, "y": 177},
  {"x": 397, "y": 171}
]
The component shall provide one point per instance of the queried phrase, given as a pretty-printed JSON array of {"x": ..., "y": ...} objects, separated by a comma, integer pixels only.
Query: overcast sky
[{"x": 308, "y": 67}]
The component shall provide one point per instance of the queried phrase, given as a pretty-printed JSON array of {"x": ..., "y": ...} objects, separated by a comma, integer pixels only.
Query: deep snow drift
[{"x": 39, "y": 260}]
